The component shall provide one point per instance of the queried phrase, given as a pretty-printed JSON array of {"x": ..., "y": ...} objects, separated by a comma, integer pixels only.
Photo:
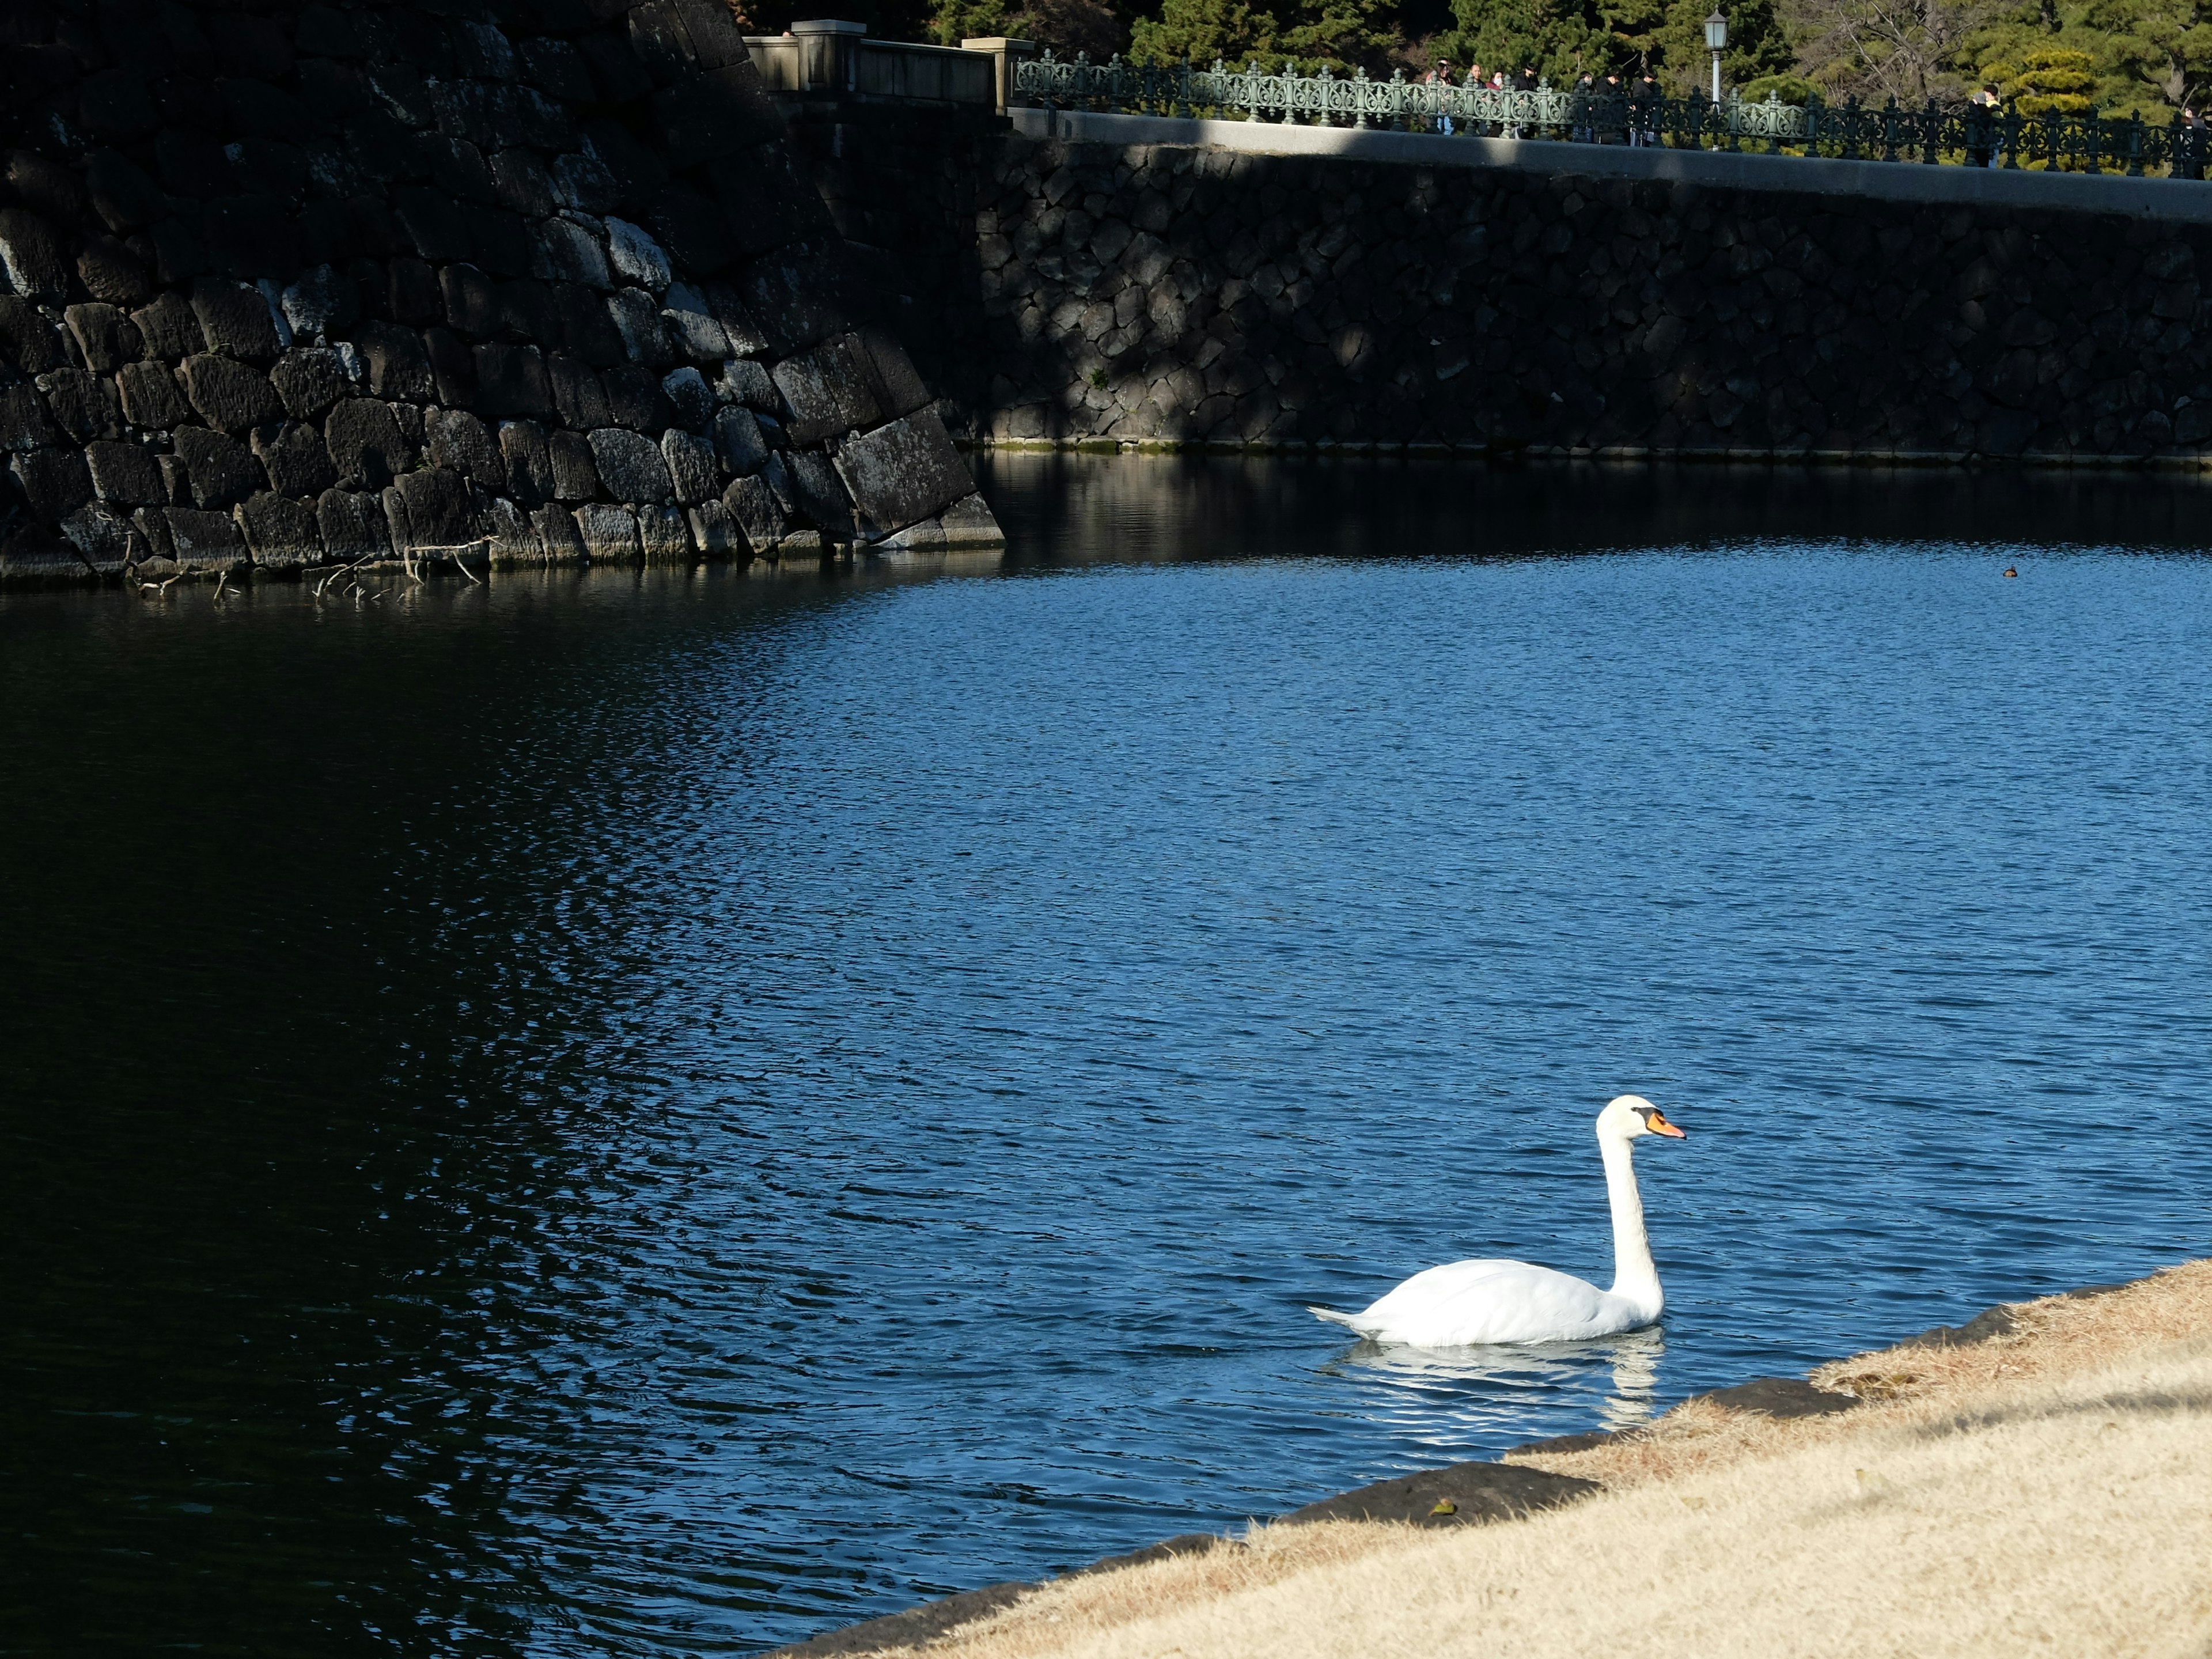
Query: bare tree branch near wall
[{"x": 1878, "y": 49}]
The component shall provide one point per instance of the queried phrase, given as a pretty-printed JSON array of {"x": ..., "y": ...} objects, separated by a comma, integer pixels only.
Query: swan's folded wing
[{"x": 1463, "y": 1303}]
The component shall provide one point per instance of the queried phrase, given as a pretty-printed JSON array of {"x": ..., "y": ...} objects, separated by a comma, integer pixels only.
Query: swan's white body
[{"x": 1464, "y": 1303}]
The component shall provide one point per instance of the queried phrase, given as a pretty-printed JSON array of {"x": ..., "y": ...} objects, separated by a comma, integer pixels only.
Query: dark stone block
[
  {"x": 229, "y": 396},
  {"x": 528, "y": 314},
  {"x": 235, "y": 320},
  {"x": 766, "y": 204},
  {"x": 47, "y": 188},
  {"x": 459, "y": 440},
  {"x": 587, "y": 330},
  {"x": 103, "y": 538},
  {"x": 309, "y": 379},
  {"x": 504, "y": 245},
  {"x": 635, "y": 400},
  {"x": 430, "y": 509},
  {"x": 660, "y": 41},
  {"x": 756, "y": 510},
  {"x": 247, "y": 45},
  {"x": 471, "y": 301},
  {"x": 352, "y": 525},
  {"x": 292, "y": 453},
  {"x": 577, "y": 394},
  {"x": 111, "y": 273},
  {"x": 1463, "y": 1494},
  {"x": 55, "y": 482},
  {"x": 34, "y": 251},
  {"x": 520, "y": 179},
  {"x": 714, "y": 529},
  {"x": 179, "y": 254},
  {"x": 529, "y": 463},
  {"x": 717, "y": 42},
  {"x": 170, "y": 328},
  {"x": 125, "y": 474},
  {"x": 114, "y": 105},
  {"x": 638, "y": 174},
  {"x": 569, "y": 253},
  {"x": 105, "y": 336},
  {"x": 556, "y": 69},
  {"x": 617, "y": 75},
  {"x": 326, "y": 232},
  {"x": 715, "y": 116},
  {"x": 582, "y": 181},
  {"x": 366, "y": 444},
  {"x": 150, "y": 396},
  {"x": 436, "y": 224},
  {"x": 541, "y": 123},
  {"x": 819, "y": 495},
  {"x": 904, "y": 472},
  {"x": 203, "y": 541},
  {"x": 630, "y": 466},
  {"x": 827, "y": 390},
  {"x": 452, "y": 368},
  {"x": 416, "y": 299},
  {"x": 459, "y": 168},
  {"x": 402, "y": 86},
  {"x": 738, "y": 441},
  {"x": 30, "y": 342},
  {"x": 281, "y": 534},
  {"x": 481, "y": 51},
  {"x": 193, "y": 164},
  {"x": 247, "y": 234},
  {"x": 122, "y": 193},
  {"x": 795, "y": 299},
  {"x": 328, "y": 32},
  {"x": 689, "y": 394},
  {"x": 511, "y": 380},
  {"x": 557, "y": 534},
  {"x": 83, "y": 405},
  {"x": 692, "y": 228},
  {"x": 646, "y": 338},
  {"x": 261, "y": 109},
  {"x": 892, "y": 381},
  {"x": 398, "y": 365},
  {"x": 221, "y": 470},
  {"x": 24, "y": 422},
  {"x": 575, "y": 474},
  {"x": 691, "y": 462},
  {"x": 609, "y": 534}
]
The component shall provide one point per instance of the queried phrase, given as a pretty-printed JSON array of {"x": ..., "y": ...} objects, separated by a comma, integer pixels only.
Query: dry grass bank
[{"x": 2049, "y": 1491}]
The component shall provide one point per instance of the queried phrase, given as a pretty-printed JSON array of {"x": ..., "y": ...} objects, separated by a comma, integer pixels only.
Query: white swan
[{"x": 1497, "y": 1301}]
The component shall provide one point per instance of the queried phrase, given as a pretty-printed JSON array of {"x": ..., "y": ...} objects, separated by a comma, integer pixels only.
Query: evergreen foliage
[{"x": 2119, "y": 55}]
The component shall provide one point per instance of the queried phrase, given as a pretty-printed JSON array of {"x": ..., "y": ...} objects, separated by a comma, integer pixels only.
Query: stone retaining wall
[
  {"x": 1493, "y": 296},
  {"x": 297, "y": 285}
]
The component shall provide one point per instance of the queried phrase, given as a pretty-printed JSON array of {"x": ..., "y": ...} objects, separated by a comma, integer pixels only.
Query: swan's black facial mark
[{"x": 1655, "y": 1121}]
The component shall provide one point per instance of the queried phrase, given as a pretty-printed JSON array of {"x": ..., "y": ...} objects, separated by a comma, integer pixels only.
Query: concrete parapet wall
[
  {"x": 1115, "y": 279},
  {"x": 291, "y": 286}
]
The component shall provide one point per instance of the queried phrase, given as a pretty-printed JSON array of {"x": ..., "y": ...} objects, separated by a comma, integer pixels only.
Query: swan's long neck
[{"x": 1633, "y": 1275}]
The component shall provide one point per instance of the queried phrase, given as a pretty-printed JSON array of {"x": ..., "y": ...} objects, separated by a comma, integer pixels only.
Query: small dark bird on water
[{"x": 2010, "y": 571}]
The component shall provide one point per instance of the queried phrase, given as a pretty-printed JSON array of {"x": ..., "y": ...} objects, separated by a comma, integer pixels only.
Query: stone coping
[{"x": 2181, "y": 201}]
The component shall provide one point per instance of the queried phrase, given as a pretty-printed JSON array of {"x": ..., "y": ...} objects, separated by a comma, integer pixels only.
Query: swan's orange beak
[{"x": 1658, "y": 1125}]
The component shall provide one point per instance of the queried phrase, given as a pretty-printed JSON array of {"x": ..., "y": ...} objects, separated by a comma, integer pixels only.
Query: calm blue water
[{"x": 656, "y": 1117}]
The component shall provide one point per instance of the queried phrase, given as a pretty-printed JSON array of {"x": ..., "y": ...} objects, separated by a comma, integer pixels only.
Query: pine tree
[
  {"x": 1557, "y": 39},
  {"x": 1757, "y": 46},
  {"x": 1203, "y": 30}
]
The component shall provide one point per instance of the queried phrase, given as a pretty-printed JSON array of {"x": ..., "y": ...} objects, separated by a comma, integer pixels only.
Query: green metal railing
[{"x": 1975, "y": 134}]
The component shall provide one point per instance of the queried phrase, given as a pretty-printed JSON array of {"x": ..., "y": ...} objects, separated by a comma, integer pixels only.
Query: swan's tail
[{"x": 1336, "y": 1318}]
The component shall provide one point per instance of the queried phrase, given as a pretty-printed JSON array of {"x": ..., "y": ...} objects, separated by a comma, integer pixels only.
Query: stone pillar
[
  {"x": 1005, "y": 54},
  {"x": 828, "y": 55}
]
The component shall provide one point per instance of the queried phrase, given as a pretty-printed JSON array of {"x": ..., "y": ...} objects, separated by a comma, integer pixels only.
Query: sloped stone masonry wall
[
  {"x": 296, "y": 285},
  {"x": 1181, "y": 294}
]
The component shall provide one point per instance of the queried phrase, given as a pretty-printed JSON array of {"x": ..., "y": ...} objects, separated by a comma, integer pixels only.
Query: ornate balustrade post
[
  {"x": 1931, "y": 125},
  {"x": 2011, "y": 136},
  {"x": 2135, "y": 144}
]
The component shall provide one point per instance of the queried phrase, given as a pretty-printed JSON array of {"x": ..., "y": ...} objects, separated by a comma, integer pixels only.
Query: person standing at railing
[
  {"x": 1440, "y": 77},
  {"x": 1981, "y": 127},
  {"x": 1525, "y": 81},
  {"x": 1610, "y": 87},
  {"x": 2189, "y": 154},
  {"x": 1585, "y": 89},
  {"x": 1643, "y": 112}
]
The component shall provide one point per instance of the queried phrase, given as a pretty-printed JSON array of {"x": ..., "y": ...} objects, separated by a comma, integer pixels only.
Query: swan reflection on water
[{"x": 1496, "y": 1396}]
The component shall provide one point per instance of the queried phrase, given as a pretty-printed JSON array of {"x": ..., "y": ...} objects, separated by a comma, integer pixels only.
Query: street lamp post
[{"x": 1716, "y": 38}]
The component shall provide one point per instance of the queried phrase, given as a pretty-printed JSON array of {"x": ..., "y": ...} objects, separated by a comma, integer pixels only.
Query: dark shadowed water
[{"x": 650, "y": 1117}]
